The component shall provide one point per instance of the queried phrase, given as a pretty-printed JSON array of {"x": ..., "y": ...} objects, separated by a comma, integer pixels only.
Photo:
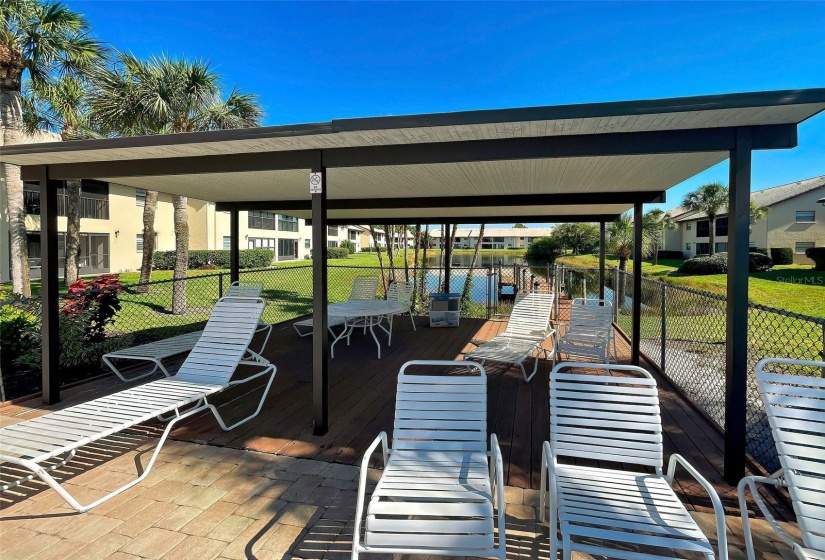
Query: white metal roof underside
[{"x": 586, "y": 174}]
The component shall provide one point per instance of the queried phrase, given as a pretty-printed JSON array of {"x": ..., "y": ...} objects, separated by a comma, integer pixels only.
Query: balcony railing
[{"x": 93, "y": 208}]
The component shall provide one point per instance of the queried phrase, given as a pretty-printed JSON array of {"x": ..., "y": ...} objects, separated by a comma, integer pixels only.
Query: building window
[
  {"x": 703, "y": 248},
  {"x": 287, "y": 223},
  {"x": 353, "y": 235},
  {"x": 332, "y": 244},
  {"x": 800, "y": 246},
  {"x": 687, "y": 246},
  {"x": 688, "y": 227},
  {"x": 140, "y": 197},
  {"x": 262, "y": 243},
  {"x": 307, "y": 243},
  {"x": 259, "y": 219},
  {"x": 703, "y": 228},
  {"x": 721, "y": 227},
  {"x": 93, "y": 204},
  {"x": 805, "y": 216},
  {"x": 721, "y": 247},
  {"x": 287, "y": 249},
  {"x": 333, "y": 231},
  {"x": 139, "y": 242},
  {"x": 227, "y": 242}
]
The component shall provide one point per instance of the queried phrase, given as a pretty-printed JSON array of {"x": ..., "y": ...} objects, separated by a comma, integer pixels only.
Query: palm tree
[
  {"x": 468, "y": 282},
  {"x": 757, "y": 212},
  {"x": 655, "y": 222},
  {"x": 710, "y": 198},
  {"x": 43, "y": 39},
  {"x": 159, "y": 96}
]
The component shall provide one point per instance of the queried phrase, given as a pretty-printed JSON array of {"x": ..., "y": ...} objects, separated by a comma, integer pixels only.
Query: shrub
[
  {"x": 370, "y": 249},
  {"x": 762, "y": 250},
  {"x": 348, "y": 245},
  {"x": 715, "y": 264},
  {"x": 200, "y": 259},
  {"x": 543, "y": 249},
  {"x": 817, "y": 254},
  {"x": 94, "y": 304},
  {"x": 782, "y": 255},
  {"x": 337, "y": 253},
  {"x": 670, "y": 255},
  {"x": 759, "y": 262},
  {"x": 17, "y": 319}
]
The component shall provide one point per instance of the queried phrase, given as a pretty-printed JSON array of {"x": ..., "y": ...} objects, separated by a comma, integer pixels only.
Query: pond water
[{"x": 484, "y": 259}]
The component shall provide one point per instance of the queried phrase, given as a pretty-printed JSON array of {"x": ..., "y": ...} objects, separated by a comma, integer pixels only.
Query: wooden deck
[{"x": 362, "y": 394}]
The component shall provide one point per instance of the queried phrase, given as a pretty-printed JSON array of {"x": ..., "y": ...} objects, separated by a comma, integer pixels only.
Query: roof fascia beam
[{"x": 474, "y": 219}]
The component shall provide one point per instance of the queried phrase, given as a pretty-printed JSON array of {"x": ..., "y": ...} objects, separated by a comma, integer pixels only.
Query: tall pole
[
  {"x": 635, "y": 352},
  {"x": 50, "y": 331},
  {"x": 736, "y": 342},
  {"x": 234, "y": 245},
  {"x": 320, "y": 345},
  {"x": 602, "y": 250}
]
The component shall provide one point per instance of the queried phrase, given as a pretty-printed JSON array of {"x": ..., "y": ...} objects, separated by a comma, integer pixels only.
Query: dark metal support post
[
  {"x": 448, "y": 257},
  {"x": 320, "y": 344},
  {"x": 602, "y": 250},
  {"x": 635, "y": 351},
  {"x": 49, "y": 290},
  {"x": 736, "y": 342},
  {"x": 234, "y": 245}
]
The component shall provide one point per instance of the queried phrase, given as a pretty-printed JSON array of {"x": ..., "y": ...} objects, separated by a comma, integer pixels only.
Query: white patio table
[{"x": 366, "y": 314}]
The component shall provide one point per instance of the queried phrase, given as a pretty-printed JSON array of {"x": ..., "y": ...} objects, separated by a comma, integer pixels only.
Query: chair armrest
[
  {"x": 749, "y": 483},
  {"x": 721, "y": 534},
  {"x": 267, "y": 369},
  {"x": 497, "y": 473},
  {"x": 362, "y": 484}
]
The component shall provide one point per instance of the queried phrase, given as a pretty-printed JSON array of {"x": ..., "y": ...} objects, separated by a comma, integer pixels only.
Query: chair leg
[
  {"x": 220, "y": 419},
  {"x": 746, "y": 526}
]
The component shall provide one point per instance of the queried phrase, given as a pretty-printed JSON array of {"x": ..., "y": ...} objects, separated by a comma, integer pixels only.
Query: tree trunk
[
  {"x": 468, "y": 282},
  {"x": 70, "y": 268},
  {"x": 380, "y": 258},
  {"x": 149, "y": 209},
  {"x": 712, "y": 233},
  {"x": 416, "y": 247},
  {"x": 179, "y": 203},
  {"x": 389, "y": 232},
  {"x": 622, "y": 280},
  {"x": 424, "y": 264},
  {"x": 11, "y": 120},
  {"x": 445, "y": 238},
  {"x": 406, "y": 262}
]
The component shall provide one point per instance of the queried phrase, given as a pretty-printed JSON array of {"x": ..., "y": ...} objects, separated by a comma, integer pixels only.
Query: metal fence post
[
  {"x": 220, "y": 285},
  {"x": 547, "y": 277},
  {"x": 664, "y": 324},
  {"x": 616, "y": 293}
]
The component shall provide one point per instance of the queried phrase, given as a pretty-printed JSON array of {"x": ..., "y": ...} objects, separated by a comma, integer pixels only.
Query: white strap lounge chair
[
  {"x": 48, "y": 442},
  {"x": 363, "y": 288},
  {"x": 600, "y": 511},
  {"x": 157, "y": 351},
  {"x": 589, "y": 332},
  {"x": 402, "y": 291},
  {"x": 795, "y": 405},
  {"x": 440, "y": 483},
  {"x": 527, "y": 329}
]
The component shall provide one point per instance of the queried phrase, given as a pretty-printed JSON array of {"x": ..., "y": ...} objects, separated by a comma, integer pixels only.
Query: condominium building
[
  {"x": 494, "y": 238},
  {"x": 795, "y": 219}
]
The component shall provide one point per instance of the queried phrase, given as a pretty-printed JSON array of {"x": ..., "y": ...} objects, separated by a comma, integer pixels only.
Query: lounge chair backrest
[
  {"x": 588, "y": 317},
  {"x": 441, "y": 412},
  {"x": 795, "y": 405},
  {"x": 400, "y": 291},
  {"x": 224, "y": 341},
  {"x": 363, "y": 288},
  {"x": 530, "y": 316},
  {"x": 604, "y": 417},
  {"x": 245, "y": 288}
]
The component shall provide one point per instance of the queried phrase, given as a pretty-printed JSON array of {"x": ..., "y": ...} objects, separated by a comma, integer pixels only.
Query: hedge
[
  {"x": 718, "y": 264},
  {"x": 762, "y": 250},
  {"x": 759, "y": 262},
  {"x": 666, "y": 255},
  {"x": 782, "y": 255},
  {"x": 198, "y": 258},
  {"x": 817, "y": 254},
  {"x": 335, "y": 253},
  {"x": 348, "y": 245}
]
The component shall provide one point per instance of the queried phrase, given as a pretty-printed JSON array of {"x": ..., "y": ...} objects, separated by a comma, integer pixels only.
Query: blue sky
[{"x": 318, "y": 61}]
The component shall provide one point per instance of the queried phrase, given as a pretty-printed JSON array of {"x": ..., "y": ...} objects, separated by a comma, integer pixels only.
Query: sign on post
[{"x": 316, "y": 185}]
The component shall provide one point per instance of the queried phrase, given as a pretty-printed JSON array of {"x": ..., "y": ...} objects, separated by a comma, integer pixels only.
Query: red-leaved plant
[{"x": 97, "y": 300}]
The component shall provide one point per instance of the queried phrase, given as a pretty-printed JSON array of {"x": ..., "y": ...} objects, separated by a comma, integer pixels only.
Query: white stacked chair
[
  {"x": 48, "y": 442},
  {"x": 402, "y": 292},
  {"x": 589, "y": 332},
  {"x": 363, "y": 288},
  {"x": 440, "y": 483},
  {"x": 527, "y": 329},
  {"x": 600, "y": 511},
  {"x": 795, "y": 406},
  {"x": 159, "y": 350}
]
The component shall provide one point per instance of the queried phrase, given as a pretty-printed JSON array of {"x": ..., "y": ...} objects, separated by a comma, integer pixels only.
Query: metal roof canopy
[{"x": 558, "y": 163}]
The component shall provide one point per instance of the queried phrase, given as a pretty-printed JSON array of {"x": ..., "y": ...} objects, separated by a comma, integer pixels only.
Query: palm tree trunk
[
  {"x": 70, "y": 268},
  {"x": 468, "y": 282},
  {"x": 180, "y": 205},
  {"x": 416, "y": 247},
  {"x": 619, "y": 293},
  {"x": 424, "y": 264},
  {"x": 406, "y": 262},
  {"x": 445, "y": 238},
  {"x": 149, "y": 209},
  {"x": 711, "y": 234},
  {"x": 380, "y": 258},
  {"x": 389, "y": 232},
  {"x": 11, "y": 117}
]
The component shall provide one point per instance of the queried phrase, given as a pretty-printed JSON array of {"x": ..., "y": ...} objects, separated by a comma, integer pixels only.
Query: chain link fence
[{"x": 683, "y": 333}]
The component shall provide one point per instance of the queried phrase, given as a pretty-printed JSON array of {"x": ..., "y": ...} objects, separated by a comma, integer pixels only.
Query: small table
[{"x": 366, "y": 314}]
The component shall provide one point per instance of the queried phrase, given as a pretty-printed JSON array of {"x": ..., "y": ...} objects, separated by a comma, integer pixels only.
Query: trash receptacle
[{"x": 445, "y": 309}]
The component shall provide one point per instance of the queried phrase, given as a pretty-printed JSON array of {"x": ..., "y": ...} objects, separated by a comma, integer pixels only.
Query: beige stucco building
[{"x": 794, "y": 219}]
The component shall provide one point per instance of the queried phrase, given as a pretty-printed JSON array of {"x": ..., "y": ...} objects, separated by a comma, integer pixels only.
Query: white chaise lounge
[
  {"x": 363, "y": 288},
  {"x": 527, "y": 329},
  {"x": 48, "y": 442},
  {"x": 157, "y": 351},
  {"x": 600, "y": 511},
  {"x": 589, "y": 332},
  {"x": 440, "y": 483},
  {"x": 795, "y": 405}
]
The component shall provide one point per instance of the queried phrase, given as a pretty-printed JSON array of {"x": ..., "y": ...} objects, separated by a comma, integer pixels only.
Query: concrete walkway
[{"x": 203, "y": 502}]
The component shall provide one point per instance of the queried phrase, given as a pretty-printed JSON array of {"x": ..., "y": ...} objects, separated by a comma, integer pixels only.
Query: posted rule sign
[{"x": 315, "y": 183}]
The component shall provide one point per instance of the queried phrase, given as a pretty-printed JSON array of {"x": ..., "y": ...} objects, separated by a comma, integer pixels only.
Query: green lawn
[{"x": 795, "y": 288}]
